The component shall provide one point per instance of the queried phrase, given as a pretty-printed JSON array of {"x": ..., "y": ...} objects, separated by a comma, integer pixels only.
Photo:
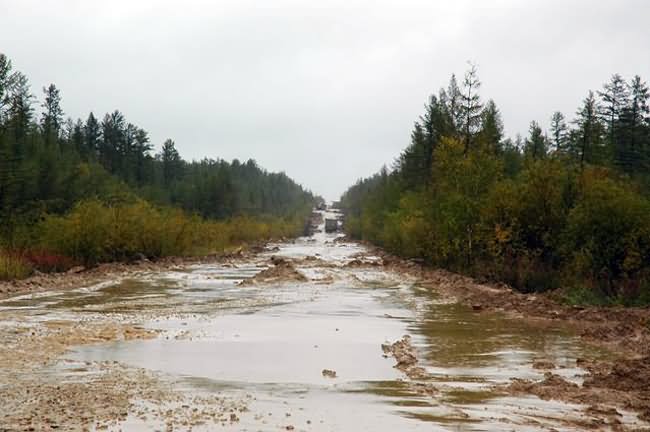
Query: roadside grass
[
  {"x": 14, "y": 266},
  {"x": 583, "y": 295}
]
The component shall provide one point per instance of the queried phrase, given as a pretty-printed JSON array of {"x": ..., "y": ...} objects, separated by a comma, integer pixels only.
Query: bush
[
  {"x": 13, "y": 266},
  {"x": 607, "y": 238},
  {"x": 95, "y": 232},
  {"x": 48, "y": 262}
]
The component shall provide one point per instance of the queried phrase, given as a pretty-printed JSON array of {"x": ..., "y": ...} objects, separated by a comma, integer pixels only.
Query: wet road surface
[{"x": 267, "y": 343}]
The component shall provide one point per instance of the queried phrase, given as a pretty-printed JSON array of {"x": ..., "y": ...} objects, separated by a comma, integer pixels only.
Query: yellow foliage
[{"x": 95, "y": 232}]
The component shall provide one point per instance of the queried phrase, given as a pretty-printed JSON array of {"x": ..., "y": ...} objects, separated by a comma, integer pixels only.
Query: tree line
[
  {"x": 568, "y": 207},
  {"x": 49, "y": 164}
]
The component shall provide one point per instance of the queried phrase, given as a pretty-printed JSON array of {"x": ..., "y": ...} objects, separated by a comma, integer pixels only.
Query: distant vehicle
[{"x": 331, "y": 225}]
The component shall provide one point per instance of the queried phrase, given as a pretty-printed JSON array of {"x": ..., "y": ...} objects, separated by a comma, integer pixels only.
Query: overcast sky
[{"x": 326, "y": 91}]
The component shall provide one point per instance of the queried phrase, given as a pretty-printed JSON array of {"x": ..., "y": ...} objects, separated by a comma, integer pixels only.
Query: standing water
[{"x": 304, "y": 352}]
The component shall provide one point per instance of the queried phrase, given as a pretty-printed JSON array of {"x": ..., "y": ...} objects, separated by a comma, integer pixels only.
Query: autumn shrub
[
  {"x": 48, "y": 262},
  {"x": 607, "y": 239},
  {"x": 522, "y": 220},
  {"x": 95, "y": 232},
  {"x": 13, "y": 266}
]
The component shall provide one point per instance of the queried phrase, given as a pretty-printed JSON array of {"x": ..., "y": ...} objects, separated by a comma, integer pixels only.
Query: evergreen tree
[
  {"x": 112, "y": 143},
  {"x": 454, "y": 102},
  {"x": 171, "y": 162},
  {"x": 6, "y": 80},
  {"x": 588, "y": 141},
  {"x": 491, "y": 133},
  {"x": 52, "y": 117},
  {"x": 614, "y": 98},
  {"x": 20, "y": 107},
  {"x": 632, "y": 152},
  {"x": 470, "y": 107},
  {"x": 559, "y": 132},
  {"x": 92, "y": 137},
  {"x": 535, "y": 146}
]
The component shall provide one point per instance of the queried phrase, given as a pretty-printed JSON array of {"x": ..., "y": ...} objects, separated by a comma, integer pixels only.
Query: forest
[
  {"x": 93, "y": 190},
  {"x": 565, "y": 209}
]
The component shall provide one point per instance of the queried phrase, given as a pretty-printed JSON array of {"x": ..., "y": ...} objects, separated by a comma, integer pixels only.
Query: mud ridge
[{"x": 280, "y": 270}]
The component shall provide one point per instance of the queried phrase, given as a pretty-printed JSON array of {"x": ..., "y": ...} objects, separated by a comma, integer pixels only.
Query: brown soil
[
  {"x": 36, "y": 396},
  {"x": 623, "y": 382},
  {"x": 280, "y": 270},
  {"x": 406, "y": 357}
]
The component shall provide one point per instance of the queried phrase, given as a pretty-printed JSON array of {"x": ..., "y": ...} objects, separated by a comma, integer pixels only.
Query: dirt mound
[
  {"x": 626, "y": 375},
  {"x": 551, "y": 387},
  {"x": 280, "y": 270},
  {"x": 543, "y": 365},
  {"x": 629, "y": 377},
  {"x": 405, "y": 355},
  {"x": 626, "y": 385}
]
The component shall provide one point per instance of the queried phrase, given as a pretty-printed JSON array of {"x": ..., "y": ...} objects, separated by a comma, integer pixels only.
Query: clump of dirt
[
  {"x": 328, "y": 373},
  {"x": 280, "y": 270},
  {"x": 405, "y": 355},
  {"x": 627, "y": 374},
  {"x": 551, "y": 387},
  {"x": 314, "y": 261},
  {"x": 630, "y": 377},
  {"x": 543, "y": 365},
  {"x": 624, "y": 386},
  {"x": 356, "y": 263}
]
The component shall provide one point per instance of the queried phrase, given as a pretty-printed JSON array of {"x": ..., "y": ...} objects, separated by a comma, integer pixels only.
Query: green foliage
[
  {"x": 95, "y": 232},
  {"x": 608, "y": 233},
  {"x": 47, "y": 167},
  {"x": 93, "y": 190},
  {"x": 537, "y": 214}
]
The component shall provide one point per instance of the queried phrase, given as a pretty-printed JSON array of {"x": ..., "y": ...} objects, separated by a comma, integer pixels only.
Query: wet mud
[{"x": 315, "y": 334}]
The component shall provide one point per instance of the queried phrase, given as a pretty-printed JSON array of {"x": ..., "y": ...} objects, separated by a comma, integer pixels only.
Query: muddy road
[{"x": 313, "y": 335}]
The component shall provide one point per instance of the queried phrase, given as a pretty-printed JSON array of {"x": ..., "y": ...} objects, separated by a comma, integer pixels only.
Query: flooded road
[{"x": 236, "y": 345}]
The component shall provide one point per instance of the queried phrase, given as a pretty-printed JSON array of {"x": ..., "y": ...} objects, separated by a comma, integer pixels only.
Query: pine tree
[
  {"x": 453, "y": 98},
  {"x": 470, "y": 107},
  {"x": 20, "y": 107},
  {"x": 559, "y": 132},
  {"x": 614, "y": 98},
  {"x": 112, "y": 144},
  {"x": 632, "y": 152},
  {"x": 6, "y": 80},
  {"x": 491, "y": 133},
  {"x": 535, "y": 145},
  {"x": 142, "y": 149},
  {"x": 171, "y": 162},
  {"x": 588, "y": 143},
  {"x": 52, "y": 117},
  {"x": 92, "y": 137}
]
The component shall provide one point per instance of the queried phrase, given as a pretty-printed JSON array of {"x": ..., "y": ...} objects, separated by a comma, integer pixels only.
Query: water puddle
[{"x": 271, "y": 342}]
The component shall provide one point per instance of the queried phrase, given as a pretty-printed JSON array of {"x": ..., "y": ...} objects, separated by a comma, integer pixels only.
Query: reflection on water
[{"x": 273, "y": 341}]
